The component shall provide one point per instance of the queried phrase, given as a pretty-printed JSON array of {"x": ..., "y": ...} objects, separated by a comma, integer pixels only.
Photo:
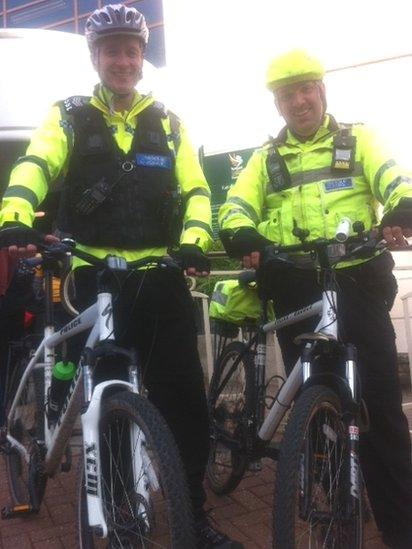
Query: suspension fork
[
  {"x": 260, "y": 377},
  {"x": 354, "y": 495}
]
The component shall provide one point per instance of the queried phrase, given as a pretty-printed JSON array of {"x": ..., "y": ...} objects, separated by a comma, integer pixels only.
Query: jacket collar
[
  {"x": 328, "y": 126},
  {"x": 103, "y": 100}
]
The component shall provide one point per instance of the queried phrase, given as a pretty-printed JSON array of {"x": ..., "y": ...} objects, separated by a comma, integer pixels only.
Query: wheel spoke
[
  {"x": 316, "y": 435},
  {"x": 139, "y": 512},
  {"x": 230, "y": 400}
]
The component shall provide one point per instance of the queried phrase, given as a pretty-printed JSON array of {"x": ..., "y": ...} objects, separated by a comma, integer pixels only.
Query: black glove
[
  {"x": 243, "y": 241},
  {"x": 18, "y": 234},
  {"x": 400, "y": 216},
  {"x": 191, "y": 255}
]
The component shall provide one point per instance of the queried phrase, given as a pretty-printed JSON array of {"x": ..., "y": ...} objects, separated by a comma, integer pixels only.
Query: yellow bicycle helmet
[{"x": 293, "y": 66}]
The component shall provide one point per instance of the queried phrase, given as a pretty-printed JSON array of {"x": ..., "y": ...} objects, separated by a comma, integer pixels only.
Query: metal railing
[{"x": 406, "y": 314}]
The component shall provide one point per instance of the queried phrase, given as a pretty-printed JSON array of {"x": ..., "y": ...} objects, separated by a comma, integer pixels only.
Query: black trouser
[
  {"x": 365, "y": 296},
  {"x": 154, "y": 313}
]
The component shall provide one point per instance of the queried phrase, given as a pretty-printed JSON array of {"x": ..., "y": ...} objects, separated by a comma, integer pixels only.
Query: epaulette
[
  {"x": 75, "y": 102},
  {"x": 160, "y": 107},
  {"x": 349, "y": 125}
]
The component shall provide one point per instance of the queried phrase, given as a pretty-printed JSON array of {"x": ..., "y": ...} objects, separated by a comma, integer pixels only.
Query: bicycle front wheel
[
  {"x": 143, "y": 486},
  {"x": 231, "y": 400},
  {"x": 312, "y": 506}
]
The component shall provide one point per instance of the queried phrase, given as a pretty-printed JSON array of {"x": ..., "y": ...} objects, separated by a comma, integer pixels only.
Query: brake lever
[
  {"x": 365, "y": 250},
  {"x": 270, "y": 254}
]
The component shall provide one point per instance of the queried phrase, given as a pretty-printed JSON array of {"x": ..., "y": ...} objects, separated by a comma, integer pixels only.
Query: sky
[{"x": 217, "y": 52}]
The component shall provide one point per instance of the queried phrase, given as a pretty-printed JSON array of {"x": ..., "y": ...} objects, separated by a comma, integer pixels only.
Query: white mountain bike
[{"x": 132, "y": 488}]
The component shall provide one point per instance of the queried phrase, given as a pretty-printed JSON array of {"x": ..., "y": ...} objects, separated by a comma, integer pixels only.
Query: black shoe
[{"x": 208, "y": 537}]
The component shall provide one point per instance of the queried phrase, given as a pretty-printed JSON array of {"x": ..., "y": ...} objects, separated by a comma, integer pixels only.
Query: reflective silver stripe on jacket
[
  {"x": 19, "y": 191},
  {"x": 320, "y": 174},
  {"x": 219, "y": 297},
  {"x": 242, "y": 207},
  {"x": 40, "y": 162},
  {"x": 200, "y": 225},
  {"x": 392, "y": 186},
  {"x": 377, "y": 179}
]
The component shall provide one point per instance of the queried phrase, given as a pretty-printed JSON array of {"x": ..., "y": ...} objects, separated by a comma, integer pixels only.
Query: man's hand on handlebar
[
  {"x": 395, "y": 237},
  {"x": 22, "y": 241},
  {"x": 396, "y": 225},
  {"x": 193, "y": 261},
  {"x": 251, "y": 261}
]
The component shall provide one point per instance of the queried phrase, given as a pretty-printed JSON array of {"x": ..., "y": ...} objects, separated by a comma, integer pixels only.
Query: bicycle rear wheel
[
  {"x": 144, "y": 492},
  {"x": 312, "y": 505},
  {"x": 25, "y": 478},
  {"x": 231, "y": 405}
]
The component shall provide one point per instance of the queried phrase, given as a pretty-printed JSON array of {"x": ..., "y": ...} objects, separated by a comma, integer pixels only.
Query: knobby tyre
[
  {"x": 145, "y": 497},
  {"x": 313, "y": 505},
  {"x": 231, "y": 404},
  {"x": 27, "y": 483}
]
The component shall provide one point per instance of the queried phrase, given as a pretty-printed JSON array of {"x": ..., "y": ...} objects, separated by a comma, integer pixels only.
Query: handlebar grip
[{"x": 246, "y": 277}]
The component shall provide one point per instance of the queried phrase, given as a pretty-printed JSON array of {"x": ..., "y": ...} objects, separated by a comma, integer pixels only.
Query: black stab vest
[{"x": 143, "y": 206}]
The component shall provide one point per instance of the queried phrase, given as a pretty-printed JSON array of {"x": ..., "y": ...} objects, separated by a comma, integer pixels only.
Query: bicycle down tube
[{"x": 327, "y": 326}]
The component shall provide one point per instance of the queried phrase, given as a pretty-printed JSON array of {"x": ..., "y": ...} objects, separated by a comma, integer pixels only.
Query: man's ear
[
  {"x": 322, "y": 88},
  {"x": 275, "y": 100},
  {"x": 322, "y": 92},
  {"x": 94, "y": 57}
]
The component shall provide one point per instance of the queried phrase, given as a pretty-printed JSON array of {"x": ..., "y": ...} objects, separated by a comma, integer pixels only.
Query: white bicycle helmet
[{"x": 115, "y": 19}]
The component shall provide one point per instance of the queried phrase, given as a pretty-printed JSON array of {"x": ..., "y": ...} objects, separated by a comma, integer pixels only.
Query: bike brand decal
[
  {"x": 338, "y": 185},
  {"x": 108, "y": 311},
  {"x": 354, "y": 475},
  {"x": 69, "y": 395},
  {"x": 91, "y": 469},
  {"x": 72, "y": 324},
  {"x": 300, "y": 311},
  {"x": 331, "y": 314},
  {"x": 353, "y": 432}
]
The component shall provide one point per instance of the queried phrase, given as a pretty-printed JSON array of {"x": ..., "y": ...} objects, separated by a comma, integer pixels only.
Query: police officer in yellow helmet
[
  {"x": 133, "y": 187},
  {"x": 303, "y": 182}
]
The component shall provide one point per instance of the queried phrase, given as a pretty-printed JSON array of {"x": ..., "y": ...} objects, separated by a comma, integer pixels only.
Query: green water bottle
[{"x": 62, "y": 375}]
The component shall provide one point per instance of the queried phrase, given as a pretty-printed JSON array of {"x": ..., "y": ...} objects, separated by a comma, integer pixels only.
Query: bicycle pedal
[
  {"x": 17, "y": 511},
  {"x": 255, "y": 466}
]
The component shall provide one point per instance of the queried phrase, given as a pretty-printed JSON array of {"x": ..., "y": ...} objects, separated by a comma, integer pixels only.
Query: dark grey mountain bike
[{"x": 319, "y": 486}]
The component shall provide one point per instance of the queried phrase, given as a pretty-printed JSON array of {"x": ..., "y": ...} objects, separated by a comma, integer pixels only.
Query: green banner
[{"x": 221, "y": 171}]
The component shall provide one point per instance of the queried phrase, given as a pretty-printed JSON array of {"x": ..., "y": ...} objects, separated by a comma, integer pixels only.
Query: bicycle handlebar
[
  {"x": 67, "y": 247},
  {"x": 327, "y": 251}
]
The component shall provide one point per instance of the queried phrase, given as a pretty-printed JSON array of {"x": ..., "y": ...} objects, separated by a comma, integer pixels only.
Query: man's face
[
  {"x": 119, "y": 61},
  {"x": 302, "y": 106}
]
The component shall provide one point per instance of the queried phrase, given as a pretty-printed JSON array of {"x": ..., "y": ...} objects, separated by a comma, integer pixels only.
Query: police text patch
[
  {"x": 338, "y": 185},
  {"x": 153, "y": 161}
]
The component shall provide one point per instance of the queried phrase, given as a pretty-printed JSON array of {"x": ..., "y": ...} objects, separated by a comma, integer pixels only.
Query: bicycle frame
[
  {"x": 327, "y": 326},
  {"x": 98, "y": 318}
]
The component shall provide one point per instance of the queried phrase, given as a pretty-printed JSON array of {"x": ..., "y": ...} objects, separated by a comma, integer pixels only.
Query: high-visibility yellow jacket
[
  {"x": 48, "y": 156},
  {"x": 317, "y": 198}
]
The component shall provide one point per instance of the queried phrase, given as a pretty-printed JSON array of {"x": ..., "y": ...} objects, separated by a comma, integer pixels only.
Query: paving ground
[{"x": 245, "y": 515}]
